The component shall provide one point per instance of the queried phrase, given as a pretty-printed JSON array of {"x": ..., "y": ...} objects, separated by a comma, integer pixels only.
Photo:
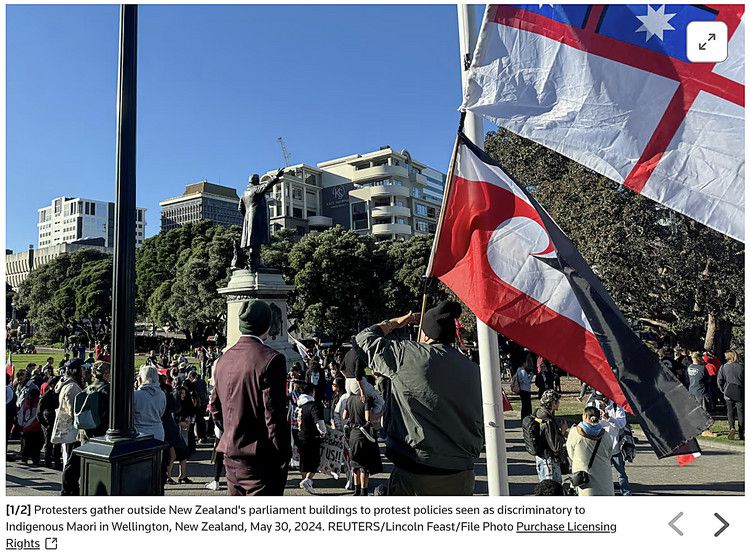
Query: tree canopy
[{"x": 662, "y": 268}]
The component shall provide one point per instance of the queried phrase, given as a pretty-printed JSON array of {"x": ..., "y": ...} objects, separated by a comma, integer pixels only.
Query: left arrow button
[{"x": 673, "y": 526}]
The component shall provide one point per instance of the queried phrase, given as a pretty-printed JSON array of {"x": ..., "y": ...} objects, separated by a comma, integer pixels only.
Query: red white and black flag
[{"x": 505, "y": 257}]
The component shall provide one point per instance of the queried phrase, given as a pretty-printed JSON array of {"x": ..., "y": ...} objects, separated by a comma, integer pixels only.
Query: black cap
[{"x": 439, "y": 323}]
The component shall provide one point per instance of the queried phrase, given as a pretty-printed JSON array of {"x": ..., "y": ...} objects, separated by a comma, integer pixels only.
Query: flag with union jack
[{"x": 612, "y": 88}]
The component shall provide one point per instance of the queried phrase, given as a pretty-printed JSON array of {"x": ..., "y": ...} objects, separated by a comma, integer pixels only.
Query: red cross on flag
[{"x": 611, "y": 88}]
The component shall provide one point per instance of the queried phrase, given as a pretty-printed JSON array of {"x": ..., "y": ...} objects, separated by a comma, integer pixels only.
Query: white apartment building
[
  {"x": 295, "y": 202},
  {"x": 385, "y": 193},
  {"x": 66, "y": 220}
]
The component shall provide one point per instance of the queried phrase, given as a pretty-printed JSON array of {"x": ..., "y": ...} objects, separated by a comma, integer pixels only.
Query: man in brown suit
[{"x": 249, "y": 406}]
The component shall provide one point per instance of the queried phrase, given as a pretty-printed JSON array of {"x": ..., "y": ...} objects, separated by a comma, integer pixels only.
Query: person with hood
[
  {"x": 149, "y": 403},
  {"x": 589, "y": 447},
  {"x": 64, "y": 432},
  {"x": 553, "y": 435},
  {"x": 434, "y": 421},
  {"x": 249, "y": 407},
  {"x": 49, "y": 401},
  {"x": 312, "y": 428}
]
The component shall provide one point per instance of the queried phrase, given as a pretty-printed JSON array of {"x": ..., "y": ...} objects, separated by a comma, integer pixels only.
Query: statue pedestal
[{"x": 269, "y": 287}]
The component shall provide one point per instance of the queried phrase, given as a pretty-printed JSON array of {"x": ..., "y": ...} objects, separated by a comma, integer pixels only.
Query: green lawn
[
  {"x": 571, "y": 409},
  {"x": 21, "y": 360}
]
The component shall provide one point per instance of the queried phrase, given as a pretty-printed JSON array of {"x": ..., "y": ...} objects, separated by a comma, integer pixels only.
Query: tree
[
  {"x": 276, "y": 254},
  {"x": 661, "y": 268},
  {"x": 69, "y": 288},
  {"x": 179, "y": 273},
  {"x": 337, "y": 287}
]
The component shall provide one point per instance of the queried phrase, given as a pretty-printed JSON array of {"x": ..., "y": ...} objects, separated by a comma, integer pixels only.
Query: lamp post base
[{"x": 128, "y": 466}]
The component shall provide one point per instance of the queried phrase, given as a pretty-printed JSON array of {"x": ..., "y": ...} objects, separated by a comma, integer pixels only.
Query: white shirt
[{"x": 616, "y": 422}]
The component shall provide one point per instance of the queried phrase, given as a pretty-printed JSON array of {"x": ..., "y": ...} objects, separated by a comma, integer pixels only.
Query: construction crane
[{"x": 284, "y": 152}]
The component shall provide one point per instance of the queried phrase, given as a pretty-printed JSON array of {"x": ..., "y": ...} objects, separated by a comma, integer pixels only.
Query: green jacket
[{"x": 434, "y": 412}]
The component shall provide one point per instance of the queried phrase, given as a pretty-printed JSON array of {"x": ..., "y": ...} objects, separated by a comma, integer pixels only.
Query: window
[
  {"x": 421, "y": 210},
  {"x": 400, "y": 221},
  {"x": 297, "y": 193},
  {"x": 359, "y": 216},
  {"x": 297, "y": 212},
  {"x": 421, "y": 226},
  {"x": 311, "y": 213}
]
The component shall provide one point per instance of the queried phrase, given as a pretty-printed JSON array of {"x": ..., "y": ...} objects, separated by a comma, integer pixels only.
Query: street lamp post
[{"x": 121, "y": 462}]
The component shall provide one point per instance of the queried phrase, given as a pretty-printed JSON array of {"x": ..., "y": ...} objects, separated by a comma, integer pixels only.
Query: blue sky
[{"x": 216, "y": 86}]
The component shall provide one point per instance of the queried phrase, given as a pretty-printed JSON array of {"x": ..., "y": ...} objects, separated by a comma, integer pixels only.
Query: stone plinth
[{"x": 269, "y": 287}]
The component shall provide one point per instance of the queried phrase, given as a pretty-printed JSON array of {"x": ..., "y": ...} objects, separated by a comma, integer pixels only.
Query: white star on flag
[{"x": 655, "y": 22}]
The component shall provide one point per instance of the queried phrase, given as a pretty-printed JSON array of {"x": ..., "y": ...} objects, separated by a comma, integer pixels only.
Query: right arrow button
[{"x": 724, "y": 527}]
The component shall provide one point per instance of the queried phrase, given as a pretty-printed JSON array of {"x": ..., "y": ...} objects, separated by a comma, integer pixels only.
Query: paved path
[{"x": 717, "y": 472}]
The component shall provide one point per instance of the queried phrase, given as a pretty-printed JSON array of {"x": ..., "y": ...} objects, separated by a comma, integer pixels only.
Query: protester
[
  {"x": 312, "y": 428},
  {"x": 613, "y": 420},
  {"x": 49, "y": 402},
  {"x": 731, "y": 382},
  {"x": 200, "y": 391},
  {"x": 31, "y": 430},
  {"x": 524, "y": 376},
  {"x": 64, "y": 432},
  {"x": 544, "y": 379},
  {"x": 11, "y": 409},
  {"x": 249, "y": 406},
  {"x": 589, "y": 448},
  {"x": 553, "y": 432},
  {"x": 178, "y": 450},
  {"x": 100, "y": 386},
  {"x": 365, "y": 453},
  {"x": 434, "y": 426},
  {"x": 699, "y": 383},
  {"x": 149, "y": 403}
]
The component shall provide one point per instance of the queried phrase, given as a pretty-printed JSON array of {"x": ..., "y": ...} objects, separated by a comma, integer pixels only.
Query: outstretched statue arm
[{"x": 266, "y": 188}]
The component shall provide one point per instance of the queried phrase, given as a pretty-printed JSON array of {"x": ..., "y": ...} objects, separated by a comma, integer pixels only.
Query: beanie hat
[
  {"x": 255, "y": 317},
  {"x": 549, "y": 397},
  {"x": 439, "y": 323}
]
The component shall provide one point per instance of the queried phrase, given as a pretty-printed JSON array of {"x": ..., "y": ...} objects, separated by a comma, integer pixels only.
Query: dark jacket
[
  {"x": 434, "y": 413},
  {"x": 698, "y": 380},
  {"x": 249, "y": 403},
  {"x": 552, "y": 433},
  {"x": 731, "y": 380},
  {"x": 102, "y": 388}
]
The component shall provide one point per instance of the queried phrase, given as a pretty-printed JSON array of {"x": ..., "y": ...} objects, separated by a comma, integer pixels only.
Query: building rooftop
[{"x": 207, "y": 188}]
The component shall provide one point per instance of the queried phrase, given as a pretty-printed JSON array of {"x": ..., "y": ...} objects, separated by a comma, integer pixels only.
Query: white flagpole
[{"x": 489, "y": 354}]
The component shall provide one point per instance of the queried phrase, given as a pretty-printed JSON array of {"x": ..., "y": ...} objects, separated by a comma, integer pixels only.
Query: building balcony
[
  {"x": 391, "y": 211},
  {"x": 366, "y": 193},
  {"x": 391, "y": 228},
  {"x": 419, "y": 178},
  {"x": 379, "y": 172},
  {"x": 319, "y": 221}
]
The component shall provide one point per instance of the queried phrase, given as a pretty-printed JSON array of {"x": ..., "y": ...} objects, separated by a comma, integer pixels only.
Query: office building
[
  {"x": 201, "y": 201},
  {"x": 68, "y": 220},
  {"x": 385, "y": 193},
  {"x": 19, "y": 265}
]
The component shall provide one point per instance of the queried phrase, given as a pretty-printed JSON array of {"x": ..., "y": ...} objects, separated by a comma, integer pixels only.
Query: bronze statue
[{"x": 256, "y": 230}]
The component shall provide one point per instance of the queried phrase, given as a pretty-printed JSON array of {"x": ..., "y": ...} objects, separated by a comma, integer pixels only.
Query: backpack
[
  {"x": 48, "y": 404},
  {"x": 533, "y": 439},
  {"x": 86, "y": 410},
  {"x": 515, "y": 387}
]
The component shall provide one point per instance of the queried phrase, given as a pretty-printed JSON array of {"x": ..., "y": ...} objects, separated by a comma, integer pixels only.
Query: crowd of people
[{"x": 416, "y": 402}]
